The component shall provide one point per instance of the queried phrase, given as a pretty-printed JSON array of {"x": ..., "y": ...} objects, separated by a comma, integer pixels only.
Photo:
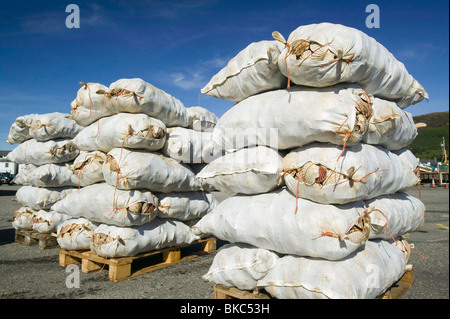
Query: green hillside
[{"x": 427, "y": 144}]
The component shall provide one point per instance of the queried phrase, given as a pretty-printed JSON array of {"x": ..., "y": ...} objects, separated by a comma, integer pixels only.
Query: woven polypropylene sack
[
  {"x": 325, "y": 54},
  {"x": 253, "y": 70},
  {"x": 185, "y": 205},
  {"x": 54, "y": 125},
  {"x": 75, "y": 233},
  {"x": 19, "y": 130},
  {"x": 365, "y": 274},
  {"x": 39, "y": 198},
  {"x": 89, "y": 104}
]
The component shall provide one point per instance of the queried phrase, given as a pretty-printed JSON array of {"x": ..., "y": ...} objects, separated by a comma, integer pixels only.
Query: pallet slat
[
  {"x": 29, "y": 238},
  {"x": 121, "y": 268},
  {"x": 396, "y": 291}
]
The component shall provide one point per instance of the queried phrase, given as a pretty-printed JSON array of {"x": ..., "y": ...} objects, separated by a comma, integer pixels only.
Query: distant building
[{"x": 7, "y": 166}]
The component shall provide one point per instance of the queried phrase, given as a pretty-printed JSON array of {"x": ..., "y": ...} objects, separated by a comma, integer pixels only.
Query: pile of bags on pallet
[
  {"x": 316, "y": 171},
  {"x": 132, "y": 188}
]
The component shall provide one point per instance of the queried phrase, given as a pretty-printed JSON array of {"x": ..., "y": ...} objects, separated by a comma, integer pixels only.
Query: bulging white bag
[
  {"x": 126, "y": 169},
  {"x": 136, "y": 131},
  {"x": 246, "y": 171},
  {"x": 75, "y": 234},
  {"x": 240, "y": 265},
  {"x": 188, "y": 146},
  {"x": 87, "y": 168},
  {"x": 325, "y": 174},
  {"x": 51, "y": 175},
  {"x": 278, "y": 221},
  {"x": 22, "y": 178},
  {"x": 365, "y": 274},
  {"x": 201, "y": 119},
  {"x": 251, "y": 71},
  {"x": 89, "y": 105},
  {"x": 289, "y": 118},
  {"x": 39, "y": 198},
  {"x": 40, "y": 153},
  {"x": 19, "y": 131},
  {"x": 325, "y": 54},
  {"x": 23, "y": 218},
  {"x": 48, "y": 221},
  {"x": 185, "y": 205},
  {"x": 112, "y": 241},
  {"x": 104, "y": 204},
  {"x": 394, "y": 215},
  {"x": 55, "y": 125},
  {"x": 390, "y": 126}
]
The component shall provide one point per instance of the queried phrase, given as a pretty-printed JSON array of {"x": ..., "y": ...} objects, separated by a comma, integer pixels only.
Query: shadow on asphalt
[{"x": 7, "y": 236}]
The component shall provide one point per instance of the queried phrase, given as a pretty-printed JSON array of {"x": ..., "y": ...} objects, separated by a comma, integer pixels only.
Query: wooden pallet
[
  {"x": 121, "y": 268},
  {"x": 396, "y": 291},
  {"x": 29, "y": 238}
]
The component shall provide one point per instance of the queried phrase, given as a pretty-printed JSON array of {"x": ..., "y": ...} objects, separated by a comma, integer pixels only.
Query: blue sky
[{"x": 179, "y": 45}]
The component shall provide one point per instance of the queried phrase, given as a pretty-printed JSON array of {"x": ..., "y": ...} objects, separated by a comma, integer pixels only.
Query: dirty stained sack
[
  {"x": 390, "y": 126},
  {"x": 185, "y": 205},
  {"x": 253, "y": 70},
  {"x": 246, "y": 171},
  {"x": 278, "y": 221},
  {"x": 112, "y": 241},
  {"x": 104, "y": 204},
  {"x": 135, "y": 169},
  {"x": 325, "y": 54},
  {"x": 288, "y": 118},
  {"x": 40, "y": 153},
  {"x": 364, "y": 274},
  {"x": 325, "y": 174},
  {"x": 240, "y": 265},
  {"x": 75, "y": 233},
  {"x": 136, "y": 131},
  {"x": 39, "y": 198}
]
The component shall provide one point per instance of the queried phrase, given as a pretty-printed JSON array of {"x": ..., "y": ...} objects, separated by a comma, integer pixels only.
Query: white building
[{"x": 7, "y": 166}]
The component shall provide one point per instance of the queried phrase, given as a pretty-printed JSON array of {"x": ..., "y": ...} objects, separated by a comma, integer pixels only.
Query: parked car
[{"x": 6, "y": 178}]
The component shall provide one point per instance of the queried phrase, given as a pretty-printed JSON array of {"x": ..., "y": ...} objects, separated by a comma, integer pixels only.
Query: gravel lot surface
[{"x": 28, "y": 272}]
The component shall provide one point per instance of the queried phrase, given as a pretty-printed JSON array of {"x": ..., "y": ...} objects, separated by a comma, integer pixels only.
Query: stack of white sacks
[
  {"x": 315, "y": 171},
  {"x": 129, "y": 191}
]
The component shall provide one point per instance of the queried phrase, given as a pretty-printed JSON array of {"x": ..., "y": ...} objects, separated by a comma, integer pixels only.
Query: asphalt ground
[{"x": 28, "y": 272}]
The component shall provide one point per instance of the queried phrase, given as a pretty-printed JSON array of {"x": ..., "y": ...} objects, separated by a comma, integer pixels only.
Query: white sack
[
  {"x": 104, "y": 204},
  {"x": 19, "y": 131},
  {"x": 55, "y": 125},
  {"x": 87, "y": 168},
  {"x": 22, "y": 177},
  {"x": 240, "y": 265},
  {"x": 89, "y": 105},
  {"x": 365, "y": 274},
  {"x": 47, "y": 221},
  {"x": 278, "y": 221},
  {"x": 185, "y": 205},
  {"x": 390, "y": 126},
  {"x": 112, "y": 241},
  {"x": 23, "y": 218},
  {"x": 39, "y": 198},
  {"x": 394, "y": 215},
  {"x": 289, "y": 118},
  {"x": 128, "y": 169},
  {"x": 40, "y": 153},
  {"x": 75, "y": 234},
  {"x": 136, "y": 131},
  {"x": 326, "y": 54},
  {"x": 247, "y": 171},
  {"x": 251, "y": 71},
  {"x": 362, "y": 172},
  {"x": 52, "y": 175},
  {"x": 201, "y": 119},
  {"x": 188, "y": 146}
]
